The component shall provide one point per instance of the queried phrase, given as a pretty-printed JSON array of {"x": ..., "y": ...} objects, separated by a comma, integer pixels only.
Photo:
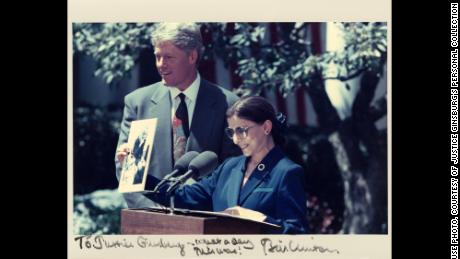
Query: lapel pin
[{"x": 261, "y": 167}]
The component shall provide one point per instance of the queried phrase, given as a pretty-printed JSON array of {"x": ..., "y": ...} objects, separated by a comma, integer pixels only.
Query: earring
[{"x": 267, "y": 132}]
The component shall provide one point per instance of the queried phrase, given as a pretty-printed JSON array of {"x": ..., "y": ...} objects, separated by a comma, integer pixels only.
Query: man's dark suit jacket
[
  {"x": 277, "y": 190},
  {"x": 206, "y": 131}
]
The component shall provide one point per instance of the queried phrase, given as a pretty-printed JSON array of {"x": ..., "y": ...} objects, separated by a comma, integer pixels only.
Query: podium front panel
[{"x": 144, "y": 222}]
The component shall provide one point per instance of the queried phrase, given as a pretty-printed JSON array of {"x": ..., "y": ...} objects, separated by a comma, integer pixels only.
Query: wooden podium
[{"x": 156, "y": 221}]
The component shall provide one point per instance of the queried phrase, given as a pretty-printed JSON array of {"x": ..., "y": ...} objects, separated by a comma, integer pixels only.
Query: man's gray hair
[{"x": 185, "y": 36}]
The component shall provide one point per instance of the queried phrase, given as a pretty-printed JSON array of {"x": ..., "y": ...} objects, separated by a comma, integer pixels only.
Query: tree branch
[{"x": 345, "y": 78}]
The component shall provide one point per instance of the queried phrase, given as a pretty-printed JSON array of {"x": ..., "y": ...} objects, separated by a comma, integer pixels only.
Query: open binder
[
  {"x": 183, "y": 221},
  {"x": 202, "y": 213}
]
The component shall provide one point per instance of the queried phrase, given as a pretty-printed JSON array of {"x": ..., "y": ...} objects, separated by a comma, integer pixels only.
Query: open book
[{"x": 233, "y": 212}]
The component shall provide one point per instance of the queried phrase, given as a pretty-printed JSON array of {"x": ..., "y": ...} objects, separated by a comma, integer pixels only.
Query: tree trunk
[
  {"x": 362, "y": 162},
  {"x": 357, "y": 198},
  {"x": 360, "y": 155}
]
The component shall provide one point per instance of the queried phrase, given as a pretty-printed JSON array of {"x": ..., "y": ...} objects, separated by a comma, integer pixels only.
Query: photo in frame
[{"x": 134, "y": 170}]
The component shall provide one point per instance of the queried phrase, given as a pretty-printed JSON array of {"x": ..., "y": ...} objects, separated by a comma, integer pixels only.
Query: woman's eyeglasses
[{"x": 241, "y": 132}]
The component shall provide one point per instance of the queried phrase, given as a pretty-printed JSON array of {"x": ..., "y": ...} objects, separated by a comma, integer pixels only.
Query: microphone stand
[
  {"x": 156, "y": 191},
  {"x": 170, "y": 192},
  {"x": 176, "y": 183},
  {"x": 171, "y": 204}
]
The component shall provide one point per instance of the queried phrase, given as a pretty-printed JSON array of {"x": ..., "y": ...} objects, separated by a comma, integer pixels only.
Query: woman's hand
[{"x": 246, "y": 213}]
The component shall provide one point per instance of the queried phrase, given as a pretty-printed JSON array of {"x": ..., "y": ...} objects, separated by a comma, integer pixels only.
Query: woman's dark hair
[{"x": 258, "y": 110}]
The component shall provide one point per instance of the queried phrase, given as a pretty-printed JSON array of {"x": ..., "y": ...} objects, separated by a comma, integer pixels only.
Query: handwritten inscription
[
  {"x": 205, "y": 246},
  {"x": 219, "y": 246},
  {"x": 270, "y": 246},
  {"x": 145, "y": 242},
  {"x": 98, "y": 242}
]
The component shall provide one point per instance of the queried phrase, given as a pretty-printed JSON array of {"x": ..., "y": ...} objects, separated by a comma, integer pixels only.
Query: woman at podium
[{"x": 262, "y": 182}]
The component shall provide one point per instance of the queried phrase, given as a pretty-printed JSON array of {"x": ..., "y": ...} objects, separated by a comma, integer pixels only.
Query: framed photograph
[{"x": 134, "y": 172}]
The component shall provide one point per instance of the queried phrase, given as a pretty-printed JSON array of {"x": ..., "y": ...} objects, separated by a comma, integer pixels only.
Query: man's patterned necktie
[{"x": 180, "y": 129}]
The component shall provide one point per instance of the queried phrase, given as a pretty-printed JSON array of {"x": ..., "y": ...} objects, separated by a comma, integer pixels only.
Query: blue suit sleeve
[
  {"x": 197, "y": 196},
  {"x": 291, "y": 204}
]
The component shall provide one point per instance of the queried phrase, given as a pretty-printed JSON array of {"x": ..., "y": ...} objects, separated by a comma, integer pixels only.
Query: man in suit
[{"x": 190, "y": 110}]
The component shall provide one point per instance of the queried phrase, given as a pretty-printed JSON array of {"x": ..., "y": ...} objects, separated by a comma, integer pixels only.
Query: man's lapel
[
  {"x": 162, "y": 149},
  {"x": 203, "y": 117}
]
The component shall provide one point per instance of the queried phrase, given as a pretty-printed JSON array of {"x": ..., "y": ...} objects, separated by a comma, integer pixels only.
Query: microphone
[
  {"x": 200, "y": 166},
  {"x": 180, "y": 167}
]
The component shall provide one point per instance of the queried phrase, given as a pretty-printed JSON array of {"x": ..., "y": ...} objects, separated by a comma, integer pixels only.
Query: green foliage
[
  {"x": 365, "y": 49},
  {"x": 97, "y": 213},
  {"x": 95, "y": 138},
  {"x": 287, "y": 64},
  {"x": 114, "y": 46}
]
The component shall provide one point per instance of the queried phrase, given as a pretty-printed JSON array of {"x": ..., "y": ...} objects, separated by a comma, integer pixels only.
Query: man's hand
[{"x": 122, "y": 151}]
